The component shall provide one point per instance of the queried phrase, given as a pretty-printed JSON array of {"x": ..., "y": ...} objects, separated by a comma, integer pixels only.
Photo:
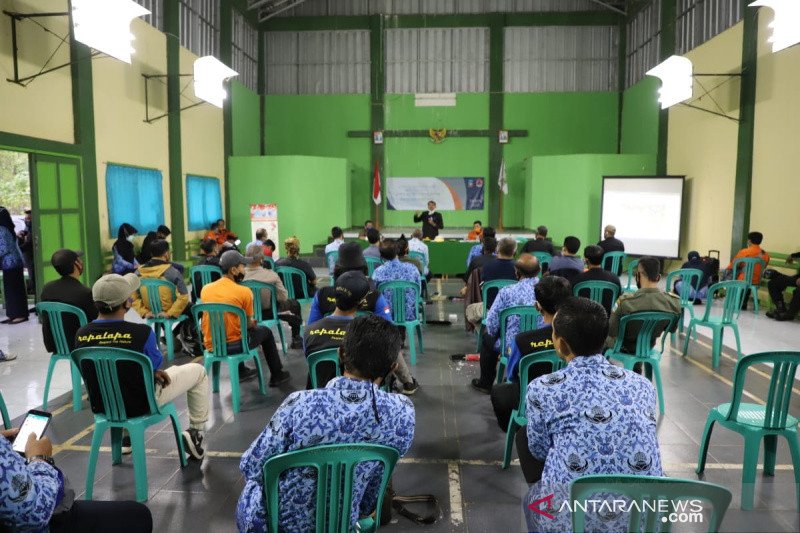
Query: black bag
[
  {"x": 392, "y": 501},
  {"x": 712, "y": 262}
]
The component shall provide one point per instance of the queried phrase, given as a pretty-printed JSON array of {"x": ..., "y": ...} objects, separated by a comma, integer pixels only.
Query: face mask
[
  {"x": 638, "y": 281},
  {"x": 129, "y": 238},
  {"x": 239, "y": 277}
]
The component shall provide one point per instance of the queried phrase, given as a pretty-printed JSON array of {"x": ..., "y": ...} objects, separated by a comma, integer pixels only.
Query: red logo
[{"x": 548, "y": 500}]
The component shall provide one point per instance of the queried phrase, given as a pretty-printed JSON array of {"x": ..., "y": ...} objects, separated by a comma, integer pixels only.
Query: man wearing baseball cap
[
  {"x": 227, "y": 290},
  {"x": 113, "y": 297}
]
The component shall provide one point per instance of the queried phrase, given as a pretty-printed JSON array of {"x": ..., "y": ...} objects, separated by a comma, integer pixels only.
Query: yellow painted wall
[
  {"x": 776, "y": 183},
  {"x": 43, "y": 109},
  {"x": 703, "y": 147}
]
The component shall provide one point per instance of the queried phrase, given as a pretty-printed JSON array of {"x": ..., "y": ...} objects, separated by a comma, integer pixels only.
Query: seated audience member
[
  {"x": 292, "y": 259},
  {"x": 338, "y": 239},
  {"x": 609, "y": 242},
  {"x": 112, "y": 296},
  {"x": 261, "y": 240},
  {"x": 351, "y": 409},
  {"x": 550, "y": 292},
  {"x": 402, "y": 255},
  {"x": 269, "y": 247},
  {"x": 124, "y": 256},
  {"x": 648, "y": 298},
  {"x": 209, "y": 252},
  {"x": 374, "y": 239},
  {"x": 228, "y": 290},
  {"x": 699, "y": 289},
  {"x": 521, "y": 293},
  {"x": 593, "y": 256},
  {"x": 68, "y": 289},
  {"x": 416, "y": 245},
  {"x": 362, "y": 233},
  {"x": 220, "y": 233},
  {"x": 159, "y": 267},
  {"x": 539, "y": 243},
  {"x": 35, "y": 496},
  {"x": 495, "y": 268},
  {"x": 590, "y": 418},
  {"x": 350, "y": 259},
  {"x": 351, "y": 291},
  {"x": 754, "y": 240},
  {"x": 476, "y": 232},
  {"x": 779, "y": 283},
  {"x": 288, "y": 310},
  {"x": 488, "y": 253},
  {"x": 568, "y": 264},
  {"x": 161, "y": 233},
  {"x": 477, "y": 250},
  {"x": 393, "y": 270}
]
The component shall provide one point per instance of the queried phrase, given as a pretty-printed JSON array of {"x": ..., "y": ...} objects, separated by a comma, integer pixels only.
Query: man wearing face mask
[{"x": 228, "y": 290}]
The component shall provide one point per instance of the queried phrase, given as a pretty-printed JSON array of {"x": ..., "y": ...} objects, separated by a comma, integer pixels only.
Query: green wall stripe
[
  {"x": 621, "y": 79},
  {"x": 262, "y": 88},
  {"x": 226, "y": 56},
  {"x": 496, "y": 100},
  {"x": 23, "y": 143},
  {"x": 172, "y": 31},
  {"x": 377, "y": 102}
]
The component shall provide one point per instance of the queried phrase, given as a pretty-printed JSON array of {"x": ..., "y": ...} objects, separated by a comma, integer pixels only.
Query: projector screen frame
[{"x": 683, "y": 201}]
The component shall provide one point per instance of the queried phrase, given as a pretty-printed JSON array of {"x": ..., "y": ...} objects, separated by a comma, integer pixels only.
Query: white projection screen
[{"x": 646, "y": 212}]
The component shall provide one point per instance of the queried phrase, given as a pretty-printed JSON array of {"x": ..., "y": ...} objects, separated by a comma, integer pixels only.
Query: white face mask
[{"x": 129, "y": 238}]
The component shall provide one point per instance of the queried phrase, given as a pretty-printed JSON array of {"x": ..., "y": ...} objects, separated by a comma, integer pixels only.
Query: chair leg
[
  {"x": 794, "y": 448},
  {"x": 50, "y": 367},
  {"x": 97, "y": 439},
  {"x": 176, "y": 428},
  {"x": 701, "y": 456},
  {"x": 419, "y": 337},
  {"x": 412, "y": 348},
  {"x": 261, "y": 383},
  {"x": 170, "y": 340},
  {"x": 754, "y": 290},
  {"x": 751, "y": 444},
  {"x": 770, "y": 452},
  {"x": 234, "y": 378},
  {"x": 116, "y": 446},
  {"x": 139, "y": 462},
  {"x": 501, "y": 370},
  {"x": 657, "y": 376},
  {"x": 716, "y": 348},
  {"x": 692, "y": 327},
  {"x": 510, "y": 433},
  {"x": 213, "y": 369},
  {"x": 735, "y": 329},
  {"x": 281, "y": 335},
  {"x": 76, "y": 388}
]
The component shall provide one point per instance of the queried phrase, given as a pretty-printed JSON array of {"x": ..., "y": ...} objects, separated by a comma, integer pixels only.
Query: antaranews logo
[{"x": 672, "y": 511}]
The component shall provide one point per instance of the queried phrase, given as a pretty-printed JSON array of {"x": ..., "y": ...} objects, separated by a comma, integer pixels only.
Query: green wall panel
[
  {"x": 640, "y": 118},
  {"x": 47, "y": 178},
  {"x": 245, "y": 111}
]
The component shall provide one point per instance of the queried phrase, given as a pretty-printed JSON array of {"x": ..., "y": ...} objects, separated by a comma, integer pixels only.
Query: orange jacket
[
  {"x": 220, "y": 237},
  {"x": 474, "y": 235},
  {"x": 753, "y": 250}
]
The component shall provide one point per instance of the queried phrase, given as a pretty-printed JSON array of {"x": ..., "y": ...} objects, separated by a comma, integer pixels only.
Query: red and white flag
[{"x": 376, "y": 185}]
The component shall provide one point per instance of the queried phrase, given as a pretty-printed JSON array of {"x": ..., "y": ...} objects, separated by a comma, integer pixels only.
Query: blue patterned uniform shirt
[
  {"x": 521, "y": 293},
  {"x": 340, "y": 413},
  {"x": 590, "y": 418},
  {"x": 475, "y": 251},
  {"x": 395, "y": 270},
  {"x": 28, "y": 493}
]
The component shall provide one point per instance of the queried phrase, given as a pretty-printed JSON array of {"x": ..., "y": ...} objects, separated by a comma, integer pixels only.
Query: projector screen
[{"x": 646, "y": 212}]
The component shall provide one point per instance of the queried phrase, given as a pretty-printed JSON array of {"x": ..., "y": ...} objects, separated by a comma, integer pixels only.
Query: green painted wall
[
  {"x": 245, "y": 111},
  {"x": 566, "y": 191},
  {"x": 640, "y": 118},
  {"x": 313, "y": 194}
]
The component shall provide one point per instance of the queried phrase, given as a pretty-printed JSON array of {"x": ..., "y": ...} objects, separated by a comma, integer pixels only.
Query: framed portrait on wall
[
  {"x": 502, "y": 137},
  {"x": 377, "y": 137}
]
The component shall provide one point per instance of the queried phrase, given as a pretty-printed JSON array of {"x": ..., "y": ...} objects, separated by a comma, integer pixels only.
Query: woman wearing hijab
[
  {"x": 11, "y": 263},
  {"x": 124, "y": 256}
]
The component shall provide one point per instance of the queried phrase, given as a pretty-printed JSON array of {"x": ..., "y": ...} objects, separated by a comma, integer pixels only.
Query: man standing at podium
[{"x": 431, "y": 221}]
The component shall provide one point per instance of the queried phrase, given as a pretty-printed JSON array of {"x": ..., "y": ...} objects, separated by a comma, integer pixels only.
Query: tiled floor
[{"x": 457, "y": 446}]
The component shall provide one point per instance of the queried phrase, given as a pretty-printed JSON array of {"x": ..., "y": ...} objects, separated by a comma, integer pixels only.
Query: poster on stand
[{"x": 266, "y": 216}]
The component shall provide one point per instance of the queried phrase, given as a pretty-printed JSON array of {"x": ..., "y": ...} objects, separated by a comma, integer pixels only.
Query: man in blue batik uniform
[{"x": 394, "y": 270}]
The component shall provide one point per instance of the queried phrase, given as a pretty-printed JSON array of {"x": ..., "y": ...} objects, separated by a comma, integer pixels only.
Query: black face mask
[
  {"x": 239, "y": 277},
  {"x": 638, "y": 281}
]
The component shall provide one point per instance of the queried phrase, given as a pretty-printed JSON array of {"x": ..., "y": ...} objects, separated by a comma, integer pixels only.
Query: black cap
[
  {"x": 351, "y": 256},
  {"x": 63, "y": 260},
  {"x": 351, "y": 288},
  {"x": 230, "y": 259}
]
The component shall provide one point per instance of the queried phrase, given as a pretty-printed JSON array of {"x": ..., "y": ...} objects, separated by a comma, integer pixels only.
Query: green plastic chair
[
  {"x": 612, "y": 261},
  {"x": 330, "y": 259},
  {"x": 419, "y": 256},
  {"x": 335, "y": 465},
  {"x": 372, "y": 264},
  {"x": 731, "y": 308},
  {"x": 111, "y": 414},
  {"x": 219, "y": 354},
  {"x": 631, "y": 286},
  {"x": 495, "y": 285},
  {"x": 398, "y": 297},
  {"x": 330, "y": 355},
  {"x": 287, "y": 275},
  {"x": 256, "y": 287},
  {"x": 4, "y": 413},
  {"x": 544, "y": 260},
  {"x": 268, "y": 263},
  {"x": 151, "y": 290},
  {"x": 755, "y": 422},
  {"x": 597, "y": 290},
  {"x": 55, "y": 312},
  {"x": 651, "y": 491},
  {"x": 528, "y": 320},
  {"x": 649, "y": 323},
  {"x": 518, "y": 416},
  {"x": 202, "y": 275},
  {"x": 689, "y": 277},
  {"x": 746, "y": 266}
]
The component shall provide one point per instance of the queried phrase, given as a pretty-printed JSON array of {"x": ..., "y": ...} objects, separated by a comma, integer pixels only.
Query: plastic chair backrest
[
  {"x": 495, "y": 285},
  {"x": 544, "y": 259},
  {"x": 215, "y": 314},
  {"x": 202, "y": 275},
  {"x": 649, "y": 323},
  {"x": 329, "y": 355},
  {"x": 256, "y": 287},
  {"x": 398, "y": 291},
  {"x": 55, "y": 311},
  {"x": 690, "y": 278},
  {"x": 372, "y": 264},
  {"x": 632, "y": 266},
  {"x": 268, "y": 261},
  {"x": 735, "y": 292},
  {"x": 419, "y": 256},
  {"x": 104, "y": 361},
  {"x": 335, "y": 465},
  {"x": 528, "y": 320},
  {"x": 151, "y": 289},
  {"x": 747, "y": 267},
  {"x": 649, "y": 492},
  {"x": 784, "y": 367},
  {"x": 287, "y": 275},
  {"x": 597, "y": 289},
  {"x": 331, "y": 258},
  {"x": 525, "y": 364},
  {"x": 612, "y": 261}
]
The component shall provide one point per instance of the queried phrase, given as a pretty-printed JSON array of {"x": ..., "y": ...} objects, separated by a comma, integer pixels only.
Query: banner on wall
[
  {"x": 266, "y": 216},
  {"x": 450, "y": 194}
]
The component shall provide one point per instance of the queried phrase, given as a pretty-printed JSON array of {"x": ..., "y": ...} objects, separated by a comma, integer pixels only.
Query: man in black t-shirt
[
  {"x": 593, "y": 256},
  {"x": 539, "y": 243}
]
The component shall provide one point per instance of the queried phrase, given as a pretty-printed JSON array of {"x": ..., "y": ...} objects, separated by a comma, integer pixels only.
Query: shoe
[
  {"x": 698, "y": 301},
  {"x": 193, "y": 442},
  {"x": 410, "y": 388},
  {"x": 297, "y": 343},
  {"x": 280, "y": 379},
  {"x": 784, "y": 317},
  {"x": 6, "y": 357},
  {"x": 476, "y": 384},
  {"x": 779, "y": 310},
  {"x": 126, "y": 445},
  {"x": 246, "y": 373}
]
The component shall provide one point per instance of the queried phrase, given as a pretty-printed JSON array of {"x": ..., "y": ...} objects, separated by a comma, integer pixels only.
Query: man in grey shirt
[
  {"x": 568, "y": 264},
  {"x": 373, "y": 237}
]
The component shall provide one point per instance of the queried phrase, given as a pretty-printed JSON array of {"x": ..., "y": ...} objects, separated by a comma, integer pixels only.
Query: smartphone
[{"x": 35, "y": 422}]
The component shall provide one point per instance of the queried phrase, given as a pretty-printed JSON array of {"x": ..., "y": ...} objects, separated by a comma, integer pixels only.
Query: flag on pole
[
  {"x": 502, "y": 184},
  {"x": 376, "y": 184}
]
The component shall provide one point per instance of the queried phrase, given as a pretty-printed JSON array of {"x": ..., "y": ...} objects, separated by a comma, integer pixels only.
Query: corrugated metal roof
[
  {"x": 701, "y": 20},
  {"x": 434, "y": 7}
]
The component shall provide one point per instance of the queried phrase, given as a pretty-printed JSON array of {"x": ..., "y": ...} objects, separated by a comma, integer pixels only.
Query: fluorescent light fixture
[
  {"x": 786, "y": 25},
  {"x": 210, "y": 75},
  {"x": 676, "y": 80},
  {"x": 105, "y": 25}
]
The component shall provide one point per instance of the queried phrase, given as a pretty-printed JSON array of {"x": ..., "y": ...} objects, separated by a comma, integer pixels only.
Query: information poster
[
  {"x": 266, "y": 216},
  {"x": 450, "y": 194}
]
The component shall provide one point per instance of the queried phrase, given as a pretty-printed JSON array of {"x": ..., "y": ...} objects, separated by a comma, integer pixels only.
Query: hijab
[
  {"x": 6, "y": 221},
  {"x": 123, "y": 246}
]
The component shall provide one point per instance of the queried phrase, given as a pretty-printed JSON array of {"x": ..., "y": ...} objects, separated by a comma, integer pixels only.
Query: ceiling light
[
  {"x": 210, "y": 75},
  {"x": 786, "y": 24},
  {"x": 676, "y": 78},
  {"x": 105, "y": 25}
]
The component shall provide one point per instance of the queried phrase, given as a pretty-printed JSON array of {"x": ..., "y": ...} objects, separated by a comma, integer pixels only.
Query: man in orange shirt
[
  {"x": 220, "y": 233},
  {"x": 477, "y": 231},
  {"x": 754, "y": 239},
  {"x": 227, "y": 290}
]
